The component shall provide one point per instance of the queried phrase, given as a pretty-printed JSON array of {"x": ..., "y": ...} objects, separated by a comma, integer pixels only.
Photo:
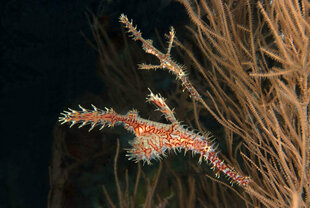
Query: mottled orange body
[{"x": 153, "y": 139}]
